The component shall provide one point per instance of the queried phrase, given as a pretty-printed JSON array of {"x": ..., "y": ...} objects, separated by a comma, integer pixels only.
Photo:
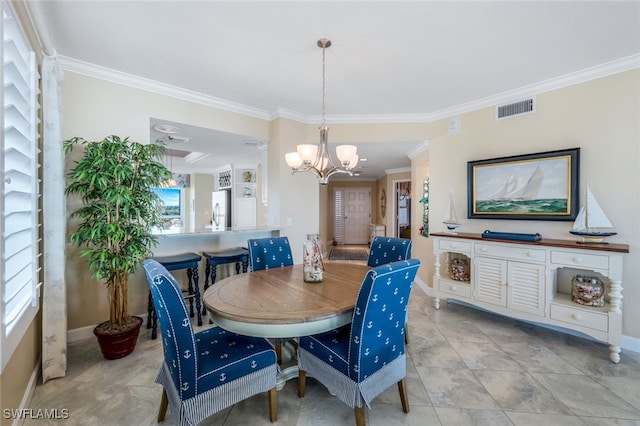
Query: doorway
[
  {"x": 402, "y": 201},
  {"x": 352, "y": 215}
]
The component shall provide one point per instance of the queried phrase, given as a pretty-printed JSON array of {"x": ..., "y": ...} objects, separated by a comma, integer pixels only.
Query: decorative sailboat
[
  {"x": 450, "y": 218},
  {"x": 591, "y": 223}
]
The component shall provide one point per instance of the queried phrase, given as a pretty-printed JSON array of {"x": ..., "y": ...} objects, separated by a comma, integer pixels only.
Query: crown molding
[
  {"x": 614, "y": 67},
  {"x": 107, "y": 74},
  {"x": 592, "y": 73},
  {"x": 423, "y": 146}
]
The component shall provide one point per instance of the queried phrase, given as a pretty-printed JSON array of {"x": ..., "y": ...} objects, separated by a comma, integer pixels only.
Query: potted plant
[{"x": 113, "y": 178}]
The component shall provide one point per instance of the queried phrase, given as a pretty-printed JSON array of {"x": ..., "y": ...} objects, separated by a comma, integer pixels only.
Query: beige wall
[{"x": 16, "y": 375}]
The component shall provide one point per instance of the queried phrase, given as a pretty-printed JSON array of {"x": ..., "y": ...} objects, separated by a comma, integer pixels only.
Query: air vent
[{"x": 516, "y": 108}]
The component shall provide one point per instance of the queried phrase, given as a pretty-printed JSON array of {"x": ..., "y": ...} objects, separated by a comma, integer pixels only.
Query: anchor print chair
[
  {"x": 388, "y": 249},
  {"x": 360, "y": 360},
  {"x": 205, "y": 372},
  {"x": 267, "y": 253}
]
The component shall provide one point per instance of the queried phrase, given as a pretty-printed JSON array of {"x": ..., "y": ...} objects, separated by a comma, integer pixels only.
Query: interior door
[{"x": 357, "y": 215}]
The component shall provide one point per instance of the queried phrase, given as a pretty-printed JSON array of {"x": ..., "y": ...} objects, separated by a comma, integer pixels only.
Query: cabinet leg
[
  {"x": 437, "y": 303},
  {"x": 614, "y": 356}
]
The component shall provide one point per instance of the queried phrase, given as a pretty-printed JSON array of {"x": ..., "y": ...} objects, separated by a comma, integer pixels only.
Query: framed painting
[{"x": 542, "y": 186}]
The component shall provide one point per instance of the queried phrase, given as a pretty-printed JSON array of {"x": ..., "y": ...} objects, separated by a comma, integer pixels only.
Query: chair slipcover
[
  {"x": 205, "y": 372},
  {"x": 388, "y": 249},
  {"x": 266, "y": 253},
  {"x": 358, "y": 361}
]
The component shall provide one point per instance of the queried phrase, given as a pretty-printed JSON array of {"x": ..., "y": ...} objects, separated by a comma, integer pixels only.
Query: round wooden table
[{"x": 277, "y": 303}]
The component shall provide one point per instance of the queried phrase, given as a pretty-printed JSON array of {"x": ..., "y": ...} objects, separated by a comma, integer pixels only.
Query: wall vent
[{"x": 515, "y": 108}]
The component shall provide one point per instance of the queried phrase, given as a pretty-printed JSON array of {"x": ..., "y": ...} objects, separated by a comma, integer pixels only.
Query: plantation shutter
[
  {"x": 338, "y": 214},
  {"x": 19, "y": 224}
]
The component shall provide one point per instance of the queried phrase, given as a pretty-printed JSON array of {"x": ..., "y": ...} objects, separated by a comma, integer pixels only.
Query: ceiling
[{"x": 390, "y": 61}]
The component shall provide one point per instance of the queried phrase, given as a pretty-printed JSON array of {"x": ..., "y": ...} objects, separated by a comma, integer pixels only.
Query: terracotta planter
[{"x": 118, "y": 344}]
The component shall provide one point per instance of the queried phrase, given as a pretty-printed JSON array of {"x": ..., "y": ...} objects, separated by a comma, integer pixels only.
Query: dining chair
[
  {"x": 360, "y": 360},
  {"x": 208, "y": 371},
  {"x": 267, "y": 253},
  {"x": 389, "y": 249}
]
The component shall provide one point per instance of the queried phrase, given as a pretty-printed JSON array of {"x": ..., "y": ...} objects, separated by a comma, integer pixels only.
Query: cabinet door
[
  {"x": 490, "y": 278},
  {"x": 525, "y": 283},
  {"x": 244, "y": 213}
]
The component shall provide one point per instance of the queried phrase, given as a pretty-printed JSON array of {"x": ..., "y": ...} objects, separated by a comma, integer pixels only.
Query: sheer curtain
[{"x": 54, "y": 303}]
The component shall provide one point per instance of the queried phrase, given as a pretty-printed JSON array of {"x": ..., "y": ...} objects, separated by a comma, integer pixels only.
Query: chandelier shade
[{"x": 317, "y": 159}]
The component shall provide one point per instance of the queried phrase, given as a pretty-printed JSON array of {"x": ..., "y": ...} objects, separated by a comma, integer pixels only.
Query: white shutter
[
  {"x": 338, "y": 214},
  {"x": 19, "y": 227}
]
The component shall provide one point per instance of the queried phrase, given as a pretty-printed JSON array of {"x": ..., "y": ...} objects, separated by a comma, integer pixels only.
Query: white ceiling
[{"x": 390, "y": 60}]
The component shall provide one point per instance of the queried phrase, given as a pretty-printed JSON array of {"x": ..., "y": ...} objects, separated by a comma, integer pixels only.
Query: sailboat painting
[
  {"x": 450, "y": 216},
  {"x": 592, "y": 224},
  {"x": 536, "y": 186}
]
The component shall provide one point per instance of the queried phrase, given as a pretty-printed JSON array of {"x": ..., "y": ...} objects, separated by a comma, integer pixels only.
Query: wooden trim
[{"x": 547, "y": 242}]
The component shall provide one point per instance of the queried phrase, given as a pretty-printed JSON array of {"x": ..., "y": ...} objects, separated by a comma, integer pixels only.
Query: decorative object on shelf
[
  {"x": 587, "y": 290},
  {"x": 383, "y": 202},
  {"x": 247, "y": 176},
  {"x": 312, "y": 262},
  {"x": 459, "y": 268},
  {"x": 247, "y": 191},
  {"x": 317, "y": 158},
  {"x": 541, "y": 186},
  {"x": 424, "y": 229},
  {"x": 182, "y": 180},
  {"x": 450, "y": 216},
  {"x": 590, "y": 219},
  {"x": 511, "y": 236}
]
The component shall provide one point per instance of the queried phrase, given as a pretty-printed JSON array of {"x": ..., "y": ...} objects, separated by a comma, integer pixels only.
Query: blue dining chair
[
  {"x": 389, "y": 249},
  {"x": 360, "y": 360},
  {"x": 205, "y": 372},
  {"x": 267, "y": 253}
]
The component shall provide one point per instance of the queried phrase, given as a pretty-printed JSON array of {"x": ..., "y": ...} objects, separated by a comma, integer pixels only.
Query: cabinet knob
[
  {"x": 454, "y": 288},
  {"x": 576, "y": 317},
  {"x": 454, "y": 245},
  {"x": 577, "y": 259},
  {"x": 483, "y": 249},
  {"x": 531, "y": 254}
]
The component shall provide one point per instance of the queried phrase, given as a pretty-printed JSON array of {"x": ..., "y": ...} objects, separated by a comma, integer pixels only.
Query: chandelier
[{"x": 317, "y": 158}]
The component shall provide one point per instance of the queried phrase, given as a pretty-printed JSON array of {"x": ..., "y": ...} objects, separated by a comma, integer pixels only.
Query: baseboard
[
  {"x": 424, "y": 287},
  {"x": 28, "y": 395},
  {"x": 87, "y": 332}
]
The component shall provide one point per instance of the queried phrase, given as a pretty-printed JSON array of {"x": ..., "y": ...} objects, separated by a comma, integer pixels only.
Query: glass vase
[{"x": 312, "y": 262}]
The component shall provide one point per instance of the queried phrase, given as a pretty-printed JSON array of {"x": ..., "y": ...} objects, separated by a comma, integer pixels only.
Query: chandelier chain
[{"x": 323, "y": 83}]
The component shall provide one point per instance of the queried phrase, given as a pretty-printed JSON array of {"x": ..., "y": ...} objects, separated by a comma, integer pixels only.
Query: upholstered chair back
[
  {"x": 388, "y": 249},
  {"x": 178, "y": 340},
  {"x": 377, "y": 330},
  {"x": 266, "y": 253}
]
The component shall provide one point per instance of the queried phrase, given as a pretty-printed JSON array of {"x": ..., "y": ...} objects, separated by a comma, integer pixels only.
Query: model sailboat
[
  {"x": 450, "y": 217},
  {"x": 591, "y": 223}
]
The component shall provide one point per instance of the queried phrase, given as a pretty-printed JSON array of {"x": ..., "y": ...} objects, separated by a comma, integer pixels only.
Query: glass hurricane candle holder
[{"x": 312, "y": 262}]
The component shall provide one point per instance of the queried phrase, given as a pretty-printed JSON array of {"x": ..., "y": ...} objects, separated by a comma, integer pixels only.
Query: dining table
[{"x": 277, "y": 303}]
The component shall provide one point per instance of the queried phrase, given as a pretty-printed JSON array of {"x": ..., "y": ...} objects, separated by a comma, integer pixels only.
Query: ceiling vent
[{"x": 516, "y": 108}]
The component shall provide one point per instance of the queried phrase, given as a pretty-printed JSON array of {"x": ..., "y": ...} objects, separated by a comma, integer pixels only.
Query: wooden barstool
[{"x": 188, "y": 261}]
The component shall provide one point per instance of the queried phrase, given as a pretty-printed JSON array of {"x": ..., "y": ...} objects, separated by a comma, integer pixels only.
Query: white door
[{"x": 357, "y": 215}]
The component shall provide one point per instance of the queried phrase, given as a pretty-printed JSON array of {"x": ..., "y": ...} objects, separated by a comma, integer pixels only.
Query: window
[
  {"x": 19, "y": 176},
  {"x": 172, "y": 215}
]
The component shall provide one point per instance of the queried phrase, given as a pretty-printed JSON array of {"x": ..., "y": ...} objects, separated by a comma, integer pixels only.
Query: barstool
[
  {"x": 188, "y": 261},
  {"x": 239, "y": 256}
]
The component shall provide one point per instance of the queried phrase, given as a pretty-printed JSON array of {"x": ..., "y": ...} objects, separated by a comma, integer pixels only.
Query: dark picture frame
[{"x": 540, "y": 186}]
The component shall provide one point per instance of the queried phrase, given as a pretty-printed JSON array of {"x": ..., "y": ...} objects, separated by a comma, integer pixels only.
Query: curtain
[{"x": 54, "y": 303}]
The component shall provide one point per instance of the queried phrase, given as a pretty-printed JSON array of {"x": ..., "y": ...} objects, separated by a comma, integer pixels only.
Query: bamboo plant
[{"x": 114, "y": 179}]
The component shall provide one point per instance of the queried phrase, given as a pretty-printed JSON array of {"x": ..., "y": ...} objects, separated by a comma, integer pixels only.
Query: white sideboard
[{"x": 531, "y": 281}]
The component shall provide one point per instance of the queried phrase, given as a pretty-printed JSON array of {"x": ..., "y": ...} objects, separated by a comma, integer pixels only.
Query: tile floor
[{"x": 465, "y": 367}]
